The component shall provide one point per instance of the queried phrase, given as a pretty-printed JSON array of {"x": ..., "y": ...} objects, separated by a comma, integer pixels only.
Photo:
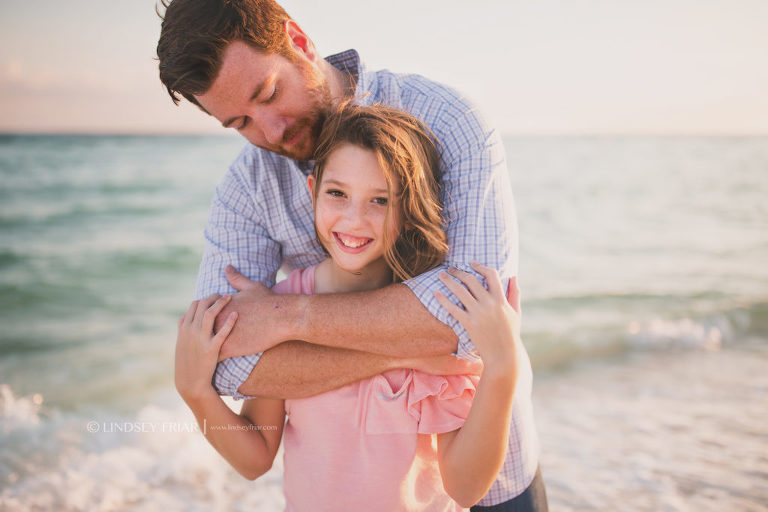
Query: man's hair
[
  {"x": 407, "y": 154},
  {"x": 195, "y": 33}
]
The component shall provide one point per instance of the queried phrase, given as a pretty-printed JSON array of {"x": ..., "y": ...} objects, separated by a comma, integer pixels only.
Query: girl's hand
[
  {"x": 491, "y": 322},
  {"x": 197, "y": 347}
]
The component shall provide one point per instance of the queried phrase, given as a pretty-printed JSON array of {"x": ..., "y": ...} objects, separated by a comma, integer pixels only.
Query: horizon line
[{"x": 226, "y": 134}]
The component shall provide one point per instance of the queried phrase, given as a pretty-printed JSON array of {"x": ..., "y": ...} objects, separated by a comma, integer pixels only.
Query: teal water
[
  {"x": 630, "y": 247},
  {"x": 641, "y": 242},
  {"x": 100, "y": 240}
]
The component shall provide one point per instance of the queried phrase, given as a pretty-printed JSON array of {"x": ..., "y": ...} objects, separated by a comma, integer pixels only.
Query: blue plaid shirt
[{"x": 261, "y": 219}]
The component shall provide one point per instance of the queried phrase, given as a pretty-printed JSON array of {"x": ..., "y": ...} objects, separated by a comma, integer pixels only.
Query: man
[{"x": 250, "y": 66}]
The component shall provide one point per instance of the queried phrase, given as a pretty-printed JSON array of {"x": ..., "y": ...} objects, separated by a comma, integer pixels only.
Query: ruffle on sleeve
[
  {"x": 411, "y": 402},
  {"x": 441, "y": 403}
]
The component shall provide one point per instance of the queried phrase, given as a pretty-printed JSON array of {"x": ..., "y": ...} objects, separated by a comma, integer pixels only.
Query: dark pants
[{"x": 533, "y": 499}]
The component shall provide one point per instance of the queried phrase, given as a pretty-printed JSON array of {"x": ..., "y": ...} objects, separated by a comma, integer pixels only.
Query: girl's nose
[{"x": 355, "y": 212}]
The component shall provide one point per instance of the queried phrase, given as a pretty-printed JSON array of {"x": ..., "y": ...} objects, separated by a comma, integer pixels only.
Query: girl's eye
[
  {"x": 335, "y": 193},
  {"x": 380, "y": 201},
  {"x": 244, "y": 123}
]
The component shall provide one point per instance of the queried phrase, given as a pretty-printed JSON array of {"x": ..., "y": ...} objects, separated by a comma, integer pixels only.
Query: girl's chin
[
  {"x": 352, "y": 269},
  {"x": 368, "y": 268}
]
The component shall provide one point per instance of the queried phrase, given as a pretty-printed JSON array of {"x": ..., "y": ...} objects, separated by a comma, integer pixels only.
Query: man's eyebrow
[{"x": 256, "y": 93}]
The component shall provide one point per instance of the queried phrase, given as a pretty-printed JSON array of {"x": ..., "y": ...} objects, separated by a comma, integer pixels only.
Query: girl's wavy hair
[{"x": 407, "y": 153}]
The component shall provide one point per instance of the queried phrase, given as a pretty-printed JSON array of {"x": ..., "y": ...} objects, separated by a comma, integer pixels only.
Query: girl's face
[{"x": 351, "y": 207}]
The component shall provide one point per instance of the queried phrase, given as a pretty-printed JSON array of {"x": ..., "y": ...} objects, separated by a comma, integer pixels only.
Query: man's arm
[
  {"x": 296, "y": 369},
  {"x": 389, "y": 321},
  {"x": 327, "y": 368}
]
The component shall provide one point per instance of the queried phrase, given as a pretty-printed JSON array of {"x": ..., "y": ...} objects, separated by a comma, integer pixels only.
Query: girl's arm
[
  {"x": 248, "y": 441},
  {"x": 470, "y": 458}
]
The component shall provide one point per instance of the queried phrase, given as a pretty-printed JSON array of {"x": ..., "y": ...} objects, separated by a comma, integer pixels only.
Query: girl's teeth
[{"x": 353, "y": 242}]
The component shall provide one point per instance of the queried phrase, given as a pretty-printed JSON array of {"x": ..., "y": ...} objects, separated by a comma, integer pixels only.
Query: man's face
[{"x": 276, "y": 104}]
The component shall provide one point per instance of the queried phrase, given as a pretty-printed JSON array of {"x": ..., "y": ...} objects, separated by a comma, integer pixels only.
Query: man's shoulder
[
  {"x": 416, "y": 92},
  {"x": 452, "y": 116}
]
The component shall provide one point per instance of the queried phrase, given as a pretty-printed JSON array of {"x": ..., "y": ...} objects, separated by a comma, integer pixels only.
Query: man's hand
[{"x": 265, "y": 319}]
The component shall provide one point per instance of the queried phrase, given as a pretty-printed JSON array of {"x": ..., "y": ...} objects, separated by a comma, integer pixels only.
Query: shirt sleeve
[
  {"x": 479, "y": 209},
  {"x": 235, "y": 236},
  {"x": 442, "y": 403}
]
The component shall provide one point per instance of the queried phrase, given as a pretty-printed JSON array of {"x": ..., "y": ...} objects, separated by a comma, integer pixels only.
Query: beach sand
[{"x": 659, "y": 432}]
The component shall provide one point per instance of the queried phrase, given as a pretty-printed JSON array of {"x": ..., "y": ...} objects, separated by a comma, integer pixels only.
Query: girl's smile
[{"x": 351, "y": 244}]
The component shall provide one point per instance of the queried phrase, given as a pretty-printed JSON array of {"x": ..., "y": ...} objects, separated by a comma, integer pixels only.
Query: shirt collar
[{"x": 349, "y": 62}]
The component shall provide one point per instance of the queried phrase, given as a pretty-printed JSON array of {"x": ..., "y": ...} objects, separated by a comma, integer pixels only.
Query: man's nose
[{"x": 272, "y": 127}]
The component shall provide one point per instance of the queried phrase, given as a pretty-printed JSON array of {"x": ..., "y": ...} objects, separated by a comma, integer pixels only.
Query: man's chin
[
  {"x": 299, "y": 152},
  {"x": 302, "y": 150}
]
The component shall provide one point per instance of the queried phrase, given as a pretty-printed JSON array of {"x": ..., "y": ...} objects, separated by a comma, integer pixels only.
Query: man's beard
[{"x": 322, "y": 102}]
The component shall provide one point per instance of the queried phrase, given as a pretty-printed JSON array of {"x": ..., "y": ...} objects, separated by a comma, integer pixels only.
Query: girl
[{"x": 369, "y": 445}]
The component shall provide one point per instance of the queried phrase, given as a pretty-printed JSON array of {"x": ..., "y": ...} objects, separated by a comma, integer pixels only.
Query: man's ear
[
  {"x": 300, "y": 42},
  {"x": 311, "y": 184}
]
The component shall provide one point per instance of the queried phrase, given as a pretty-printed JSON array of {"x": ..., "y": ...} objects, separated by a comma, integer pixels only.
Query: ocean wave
[
  {"x": 96, "y": 460},
  {"x": 71, "y": 215},
  {"x": 683, "y": 334},
  {"x": 713, "y": 331},
  {"x": 589, "y": 299}
]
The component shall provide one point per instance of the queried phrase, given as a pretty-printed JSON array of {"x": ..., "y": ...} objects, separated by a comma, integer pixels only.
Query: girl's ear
[{"x": 311, "y": 185}]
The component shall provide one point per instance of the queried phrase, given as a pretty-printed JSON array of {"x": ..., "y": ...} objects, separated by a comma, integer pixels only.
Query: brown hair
[
  {"x": 407, "y": 154},
  {"x": 195, "y": 33}
]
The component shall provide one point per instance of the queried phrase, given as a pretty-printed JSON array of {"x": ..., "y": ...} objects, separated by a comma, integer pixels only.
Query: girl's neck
[{"x": 329, "y": 278}]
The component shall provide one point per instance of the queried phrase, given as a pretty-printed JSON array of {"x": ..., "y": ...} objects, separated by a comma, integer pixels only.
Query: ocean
[{"x": 644, "y": 278}]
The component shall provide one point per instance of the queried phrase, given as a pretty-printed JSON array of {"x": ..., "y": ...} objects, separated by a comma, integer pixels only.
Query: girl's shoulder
[{"x": 299, "y": 281}]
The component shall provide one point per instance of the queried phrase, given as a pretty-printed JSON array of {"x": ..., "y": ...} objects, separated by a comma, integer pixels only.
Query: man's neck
[{"x": 341, "y": 84}]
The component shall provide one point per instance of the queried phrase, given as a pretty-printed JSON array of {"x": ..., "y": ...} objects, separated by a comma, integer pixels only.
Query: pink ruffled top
[{"x": 369, "y": 445}]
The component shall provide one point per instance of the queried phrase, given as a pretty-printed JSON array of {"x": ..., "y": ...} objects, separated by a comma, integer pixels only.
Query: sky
[{"x": 534, "y": 67}]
